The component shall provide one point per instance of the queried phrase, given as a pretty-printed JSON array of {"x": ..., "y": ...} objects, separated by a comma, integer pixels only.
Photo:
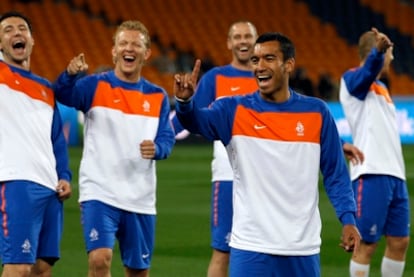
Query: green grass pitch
[{"x": 183, "y": 231}]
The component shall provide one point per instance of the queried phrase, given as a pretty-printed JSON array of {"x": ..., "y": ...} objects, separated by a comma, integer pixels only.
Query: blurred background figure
[
  {"x": 301, "y": 82},
  {"x": 327, "y": 88}
]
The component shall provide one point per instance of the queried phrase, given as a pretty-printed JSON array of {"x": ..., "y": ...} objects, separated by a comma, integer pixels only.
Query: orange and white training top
[
  {"x": 276, "y": 151},
  {"x": 219, "y": 82},
  {"x": 118, "y": 117},
  {"x": 32, "y": 143},
  {"x": 372, "y": 117}
]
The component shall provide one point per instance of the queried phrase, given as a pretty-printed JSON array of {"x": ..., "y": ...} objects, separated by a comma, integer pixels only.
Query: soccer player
[
  {"x": 127, "y": 128},
  {"x": 235, "y": 78},
  {"x": 379, "y": 183},
  {"x": 34, "y": 166},
  {"x": 277, "y": 141}
]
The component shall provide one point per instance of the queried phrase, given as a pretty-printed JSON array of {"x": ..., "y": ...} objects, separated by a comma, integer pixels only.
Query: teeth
[{"x": 244, "y": 48}]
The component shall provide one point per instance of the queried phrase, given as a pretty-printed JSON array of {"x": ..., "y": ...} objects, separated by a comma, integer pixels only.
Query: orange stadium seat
[
  {"x": 78, "y": 3},
  {"x": 197, "y": 26},
  {"x": 397, "y": 14}
]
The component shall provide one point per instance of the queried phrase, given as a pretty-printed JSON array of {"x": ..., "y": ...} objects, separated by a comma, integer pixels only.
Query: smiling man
[
  {"x": 235, "y": 78},
  {"x": 34, "y": 171},
  {"x": 278, "y": 141},
  {"x": 127, "y": 128}
]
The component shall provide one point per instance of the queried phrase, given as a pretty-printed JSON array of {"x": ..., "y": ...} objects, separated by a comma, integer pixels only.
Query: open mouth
[
  {"x": 244, "y": 49},
  {"x": 263, "y": 78},
  {"x": 128, "y": 58},
  {"x": 19, "y": 45}
]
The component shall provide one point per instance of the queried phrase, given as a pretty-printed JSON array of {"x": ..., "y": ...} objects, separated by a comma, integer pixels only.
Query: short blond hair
[
  {"x": 134, "y": 25},
  {"x": 366, "y": 42}
]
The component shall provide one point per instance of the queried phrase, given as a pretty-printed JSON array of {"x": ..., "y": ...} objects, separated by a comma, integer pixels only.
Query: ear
[
  {"x": 113, "y": 53},
  {"x": 290, "y": 65},
  {"x": 229, "y": 44},
  {"x": 147, "y": 54}
]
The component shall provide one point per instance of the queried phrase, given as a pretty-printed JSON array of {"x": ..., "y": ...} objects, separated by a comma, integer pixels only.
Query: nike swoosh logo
[
  {"x": 259, "y": 127},
  {"x": 144, "y": 256},
  {"x": 234, "y": 88},
  {"x": 117, "y": 100}
]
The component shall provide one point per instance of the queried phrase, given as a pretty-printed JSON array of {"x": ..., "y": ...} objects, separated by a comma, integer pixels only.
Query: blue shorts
[
  {"x": 221, "y": 214},
  {"x": 382, "y": 207},
  {"x": 32, "y": 223},
  {"x": 102, "y": 224},
  {"x": 247, "y": 264}
]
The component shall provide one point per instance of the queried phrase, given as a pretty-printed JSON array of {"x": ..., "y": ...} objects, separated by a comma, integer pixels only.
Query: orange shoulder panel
[
  {"x": 380, "y": 90},
  {"x": 128, "y": 101},
  {"x": 305, "y": 127},
  {"x": 230, "y": 86},
  {"x": 31, "y": 88}
]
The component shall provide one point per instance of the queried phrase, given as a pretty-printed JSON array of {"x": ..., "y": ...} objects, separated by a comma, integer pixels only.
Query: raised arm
[
  {"x": 184, "y": 84},
  {"x": 77, "y": 65}
]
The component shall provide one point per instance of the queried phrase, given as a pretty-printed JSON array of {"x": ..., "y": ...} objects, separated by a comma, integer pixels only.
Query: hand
[
  {"x": 353, "y": 153},
  {"x": 351, "y": 238},
  {"x": 147, "y": 148},
  {"x": 63, "y": 190},
  {"x": 77, "y": 65},
  {"x": 383, "y": 42},
  {"x": 184, "y": 84}
]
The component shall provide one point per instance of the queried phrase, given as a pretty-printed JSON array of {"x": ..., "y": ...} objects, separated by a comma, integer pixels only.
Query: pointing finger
[
  {"x": 82, "y": 57},
  {"x": 196, "y": 71}
]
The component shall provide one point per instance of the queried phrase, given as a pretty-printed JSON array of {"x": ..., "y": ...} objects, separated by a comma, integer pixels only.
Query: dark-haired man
[
  {"x": 278, "y": 141},
  {"x": 34, "y": 173}
]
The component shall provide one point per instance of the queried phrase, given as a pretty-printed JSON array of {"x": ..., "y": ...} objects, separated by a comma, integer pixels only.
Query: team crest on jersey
[
  {"x": 300, "y": 129},
  {"x": 26, "y": 246},
  {"x": 94, "y": 235},
  {"x": 146, "y": 106}
]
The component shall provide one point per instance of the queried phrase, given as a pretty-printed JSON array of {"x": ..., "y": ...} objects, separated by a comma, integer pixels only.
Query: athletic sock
[
  {"x": 358, "y": 270},
  {"x": 392, "y": 268}
]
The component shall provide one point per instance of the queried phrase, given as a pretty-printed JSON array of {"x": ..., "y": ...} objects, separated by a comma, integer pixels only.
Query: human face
[
  {"x": 271, "y": 72},
  {"x": 129, "y": 54},
  {"x": 16, "y": 42},
  {"x": 240, "y": 41}
]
